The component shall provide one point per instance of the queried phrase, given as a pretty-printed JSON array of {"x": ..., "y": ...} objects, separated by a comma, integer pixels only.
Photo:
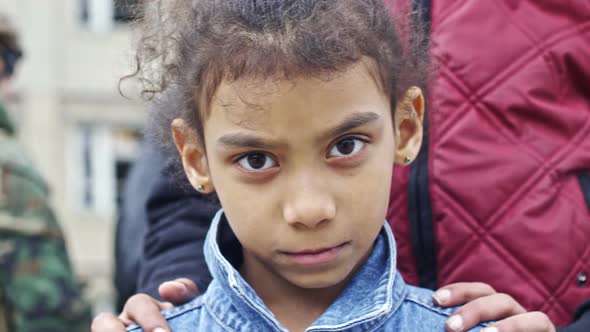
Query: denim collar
[{"x": 372, "y": 296}]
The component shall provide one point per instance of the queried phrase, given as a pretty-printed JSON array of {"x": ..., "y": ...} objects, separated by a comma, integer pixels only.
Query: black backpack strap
[
  {"x": 585, "y": 185},
  {"x": 420, "y": 208}
]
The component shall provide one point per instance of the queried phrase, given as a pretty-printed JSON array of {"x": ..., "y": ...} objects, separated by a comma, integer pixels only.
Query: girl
[{"x": 293, "y": 112}]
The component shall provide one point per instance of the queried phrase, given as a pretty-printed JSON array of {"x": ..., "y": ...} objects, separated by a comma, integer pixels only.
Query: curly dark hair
[{"x": 189, "y": 46}]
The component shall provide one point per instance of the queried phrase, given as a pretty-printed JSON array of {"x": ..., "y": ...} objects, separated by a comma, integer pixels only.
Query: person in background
[
  {"x": 38, "y": 289},
  {"x": 540, "y": 106}
]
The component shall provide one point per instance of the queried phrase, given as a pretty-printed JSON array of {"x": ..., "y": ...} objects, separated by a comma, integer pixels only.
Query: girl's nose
[{"x": 309, "y": 206}]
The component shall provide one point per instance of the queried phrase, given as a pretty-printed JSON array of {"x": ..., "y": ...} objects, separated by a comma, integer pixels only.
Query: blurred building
[{"x": 79, "y": 130}]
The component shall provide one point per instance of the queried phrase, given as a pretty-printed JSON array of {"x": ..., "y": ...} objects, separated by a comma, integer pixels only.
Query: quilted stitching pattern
[{"x": 517, "y": 107}]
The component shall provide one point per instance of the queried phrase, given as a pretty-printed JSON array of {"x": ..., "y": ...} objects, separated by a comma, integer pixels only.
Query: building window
[
  {"x": 87, "y": 169},
  {"x": 126, "y": 142},
  {"x": 126, "y": 10},
  {"x": 84, "y": 10},
  {"x": 103, "y": 15},
  {"x": 103, "y": 155}
]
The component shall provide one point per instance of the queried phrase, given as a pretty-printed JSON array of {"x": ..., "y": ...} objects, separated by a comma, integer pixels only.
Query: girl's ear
[
  {"x": 408, "y": 126},
  {"x": 194, "y": 159}
]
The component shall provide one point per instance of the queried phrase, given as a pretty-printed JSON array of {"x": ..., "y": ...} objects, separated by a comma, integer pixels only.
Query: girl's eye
[
  {"x": 256, "y": 162},
  {"x": 347, "y": 147}
]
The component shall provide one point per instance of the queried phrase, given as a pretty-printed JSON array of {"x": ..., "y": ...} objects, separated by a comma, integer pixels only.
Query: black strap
[
  {"x": 582, "y": 319},
  {"x": 422, "y": 8},
  {"x": 585, "y": 184},
  {"x": 420, "y": 208}
]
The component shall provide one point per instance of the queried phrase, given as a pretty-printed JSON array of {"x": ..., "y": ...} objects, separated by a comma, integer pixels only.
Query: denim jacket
[{"x": 377, "y": 298}]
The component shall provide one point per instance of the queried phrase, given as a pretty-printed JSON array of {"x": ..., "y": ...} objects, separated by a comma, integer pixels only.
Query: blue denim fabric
[{"x": 377, "y": 299}]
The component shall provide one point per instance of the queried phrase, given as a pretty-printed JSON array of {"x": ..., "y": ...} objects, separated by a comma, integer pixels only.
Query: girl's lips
[{"x": 315, "y": 257}]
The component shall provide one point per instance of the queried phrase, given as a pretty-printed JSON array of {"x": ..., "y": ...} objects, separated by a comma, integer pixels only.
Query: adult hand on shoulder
[
  {"x": 481, "y": 303},
  {"x": 145, "y": 311}
]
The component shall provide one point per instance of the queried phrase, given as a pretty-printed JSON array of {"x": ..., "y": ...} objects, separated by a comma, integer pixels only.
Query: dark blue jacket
[{"x": 178, "y": 218}]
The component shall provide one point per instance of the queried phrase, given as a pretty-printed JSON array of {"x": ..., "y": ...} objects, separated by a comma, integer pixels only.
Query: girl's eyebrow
[
  {"x": 352, "y": 121},
  {"x": 242, "y": 140}
]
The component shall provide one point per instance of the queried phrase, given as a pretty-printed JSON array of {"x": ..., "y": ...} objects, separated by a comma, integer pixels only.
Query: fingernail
[
  {"x": 184, "y": 288},
  {"x": 455, "y": 323},
  {"x": 175, "y": 284},
  {"x": 442, "y": 296},
  {"x": 181, "y": 284},
  {"x": 159, "y": 329},
  {"x": 490, "y": 329}
]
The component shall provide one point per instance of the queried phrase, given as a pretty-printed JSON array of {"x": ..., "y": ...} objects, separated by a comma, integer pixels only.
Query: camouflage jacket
[{"x": 38, "y": 291}]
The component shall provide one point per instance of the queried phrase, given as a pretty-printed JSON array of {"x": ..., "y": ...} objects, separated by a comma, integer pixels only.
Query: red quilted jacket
[{"x": 501, "y": 190}]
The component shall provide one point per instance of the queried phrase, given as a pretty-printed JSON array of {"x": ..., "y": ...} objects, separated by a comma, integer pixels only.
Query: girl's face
[{"x": 302, "y": 169}]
